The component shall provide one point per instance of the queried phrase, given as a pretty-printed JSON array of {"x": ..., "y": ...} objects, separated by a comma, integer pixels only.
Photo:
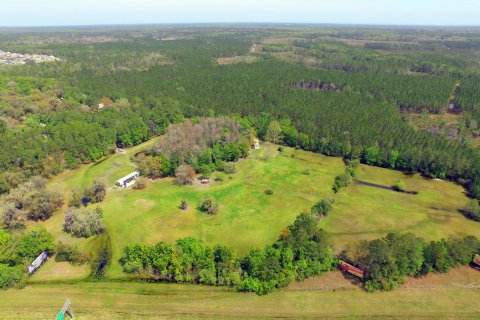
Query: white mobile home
[{"x": 128, "y": 180}]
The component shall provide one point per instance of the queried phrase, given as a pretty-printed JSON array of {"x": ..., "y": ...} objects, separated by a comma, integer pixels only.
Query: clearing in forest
[
  {"x": 248, "y": 217},
  {"x": 368, "y": 212}
]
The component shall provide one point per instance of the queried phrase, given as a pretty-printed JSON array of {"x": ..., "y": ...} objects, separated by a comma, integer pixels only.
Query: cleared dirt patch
[{"x": 235, "y": 59}]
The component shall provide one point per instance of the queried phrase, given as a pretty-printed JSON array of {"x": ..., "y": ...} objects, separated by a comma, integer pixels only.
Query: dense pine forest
[{"x": 401, "y": 98}]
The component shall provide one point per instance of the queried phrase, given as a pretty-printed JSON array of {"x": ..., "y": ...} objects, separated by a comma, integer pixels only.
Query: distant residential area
[{"x": 18, "y": 58}]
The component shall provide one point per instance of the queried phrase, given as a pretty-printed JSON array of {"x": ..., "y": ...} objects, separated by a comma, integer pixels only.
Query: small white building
[
  {"x": 128, "y": 180},
  {"x": 256, "y": 144}
]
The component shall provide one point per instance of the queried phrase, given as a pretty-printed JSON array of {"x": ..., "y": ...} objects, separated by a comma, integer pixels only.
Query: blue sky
[{"x": 87, "y": 12}]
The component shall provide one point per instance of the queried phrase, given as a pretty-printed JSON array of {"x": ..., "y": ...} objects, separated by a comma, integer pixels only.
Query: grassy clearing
[
  {"x": 247, "y": 217},
  {"x": 110, "y": 168},
  {"x": 363, "y": 212},
  {"x": 110, "y": 300},
  {"x": 236, "y": 59}
]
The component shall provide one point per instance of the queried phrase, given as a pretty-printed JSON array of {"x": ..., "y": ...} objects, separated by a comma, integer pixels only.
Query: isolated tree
[
  {"x": 183, "y": 204},
  {"x": 399, "y": 186},
  {"x": 209, "y": 205},
  {"x": 184, "y": 174},
  {"x": 321, "y": 208},
  {"x": 341, "y": 181},
  {"x": 83, "y": 222},
  {"x": 76, "y": 199},
  {"x": 97, "y": 192},
  {"x": 41, "y": 204}
]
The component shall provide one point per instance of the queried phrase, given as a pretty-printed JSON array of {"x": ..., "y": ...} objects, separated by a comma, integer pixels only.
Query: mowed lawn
[
  {"x": 247, "y": 217},
  {"x": 330, "y": 296},
  {"x": 365, "y": 212}
]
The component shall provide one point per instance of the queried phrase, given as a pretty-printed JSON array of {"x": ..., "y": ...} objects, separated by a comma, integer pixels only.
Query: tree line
[
  {"x": 389, "y": 260},
  {"x": 303, "y": 250}
]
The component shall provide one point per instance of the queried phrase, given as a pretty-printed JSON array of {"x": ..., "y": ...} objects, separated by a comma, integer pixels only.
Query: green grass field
[
  {"x": 330, "y": 296},
  {"x": 364, "y": 212},
  {"x": 249, "y": 217}
]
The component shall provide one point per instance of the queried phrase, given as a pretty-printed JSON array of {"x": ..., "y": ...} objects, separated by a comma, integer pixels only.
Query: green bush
[
  {"x": 69, "y": 253},
  {"x": 472, "y": 210},
  {"x": 102, "y": 257},
  {"x": 183, "y": 204},
  {"x": 83, "y": 223},
  {"x": 229, "y": 168},
  {"x": 33, "y": 243},
  {"x": 97, "y": 191},
  {"x": 341, "y": 181},
  {"x": 209, "y": 205},
  {"x": 322, "y": 207},
  {"x": 269, "y": 192},
  {"x": 10, "y": 276},
  {"x": 399, "y": 186}
]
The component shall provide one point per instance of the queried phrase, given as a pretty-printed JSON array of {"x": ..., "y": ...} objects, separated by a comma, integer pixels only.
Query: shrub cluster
[
  {"x": 184, "y": 174},
  {"x": 345, "y": 179},
  {"x": 472, "y": 210},
  {"x": 83, "y": 222},
  {"x": 389, "y": 260},
  {"x": 202, "y": 146},
  {"x": 229, "y": 168},
  {"x": 69, "y": 253},
  {"x": 302, "y": 252},
  {"x": 141, "y": 184},
  {"x": 322, "y": 207},
  {"x": 209, "y": 205},
  {"x": 102, "y": 258},
  {"x": 183, "y": 204},
  {"x": 31, "y": 201},
  {"x": 399, "y": 186},
  {"x": 97, "y": 191}
]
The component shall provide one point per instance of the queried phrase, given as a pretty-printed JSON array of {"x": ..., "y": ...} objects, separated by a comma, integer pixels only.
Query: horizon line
[{"x": 242, "y": 23}]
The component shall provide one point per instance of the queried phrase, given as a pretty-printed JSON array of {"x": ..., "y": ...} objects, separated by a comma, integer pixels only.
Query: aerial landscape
[{"x": 205, "y": 160}]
